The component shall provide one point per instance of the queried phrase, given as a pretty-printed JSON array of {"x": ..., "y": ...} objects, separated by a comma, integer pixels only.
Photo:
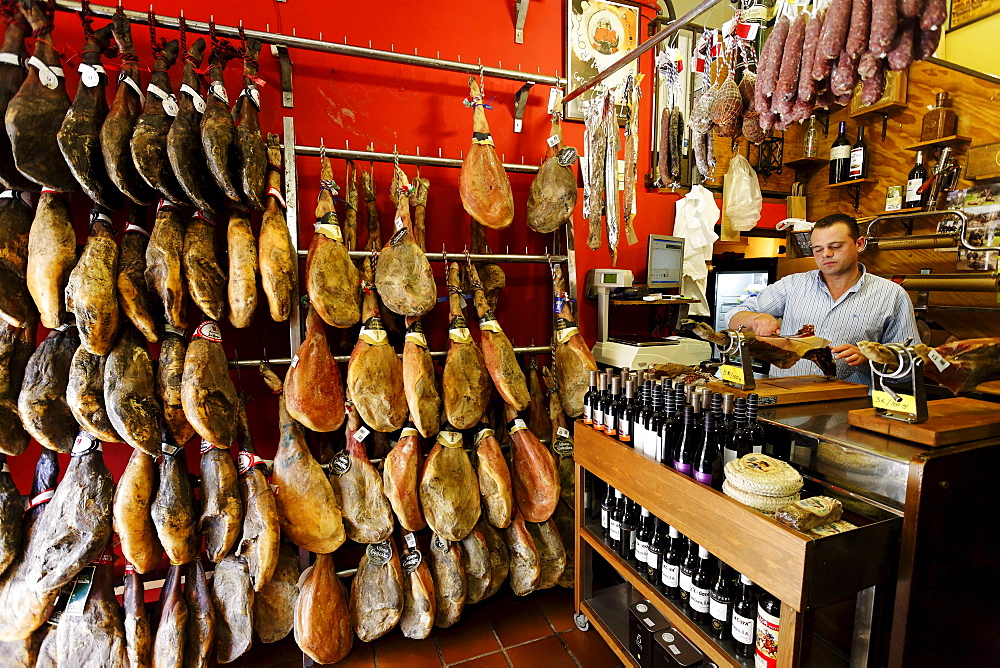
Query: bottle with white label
[
  {"x": 688, "y": 565},
  {"x": 720, "y": 607},
  {"x": 768, "y": 626},
  {"x": 609, "y": 408},
  {"x": 860, "y": 156},
  {"x": 640, "y": 435},
  {"x": 628, "y": 527},
  {"x": 840, "y": 156},
  {"x": 615, "y": 522},
  {"x": 588, "y": 399},
  {"x": 670, "y": 572},
  {"x": 643, "y": 535},
  {"x": 914, "y": 181},
  {"x": 607, "y": 508},
  {"x": 699, "y": 601},
  {"x": 598, "y": 407},
  {"x": 744, "y": 619},
  {"x": 657, "y": 548}
]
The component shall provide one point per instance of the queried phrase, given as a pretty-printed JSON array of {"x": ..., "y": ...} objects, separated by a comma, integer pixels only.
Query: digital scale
[{"x": 637, "y": 351}]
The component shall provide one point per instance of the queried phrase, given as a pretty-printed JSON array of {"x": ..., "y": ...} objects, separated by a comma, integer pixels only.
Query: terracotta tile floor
[{"x": 502, "y": 632}]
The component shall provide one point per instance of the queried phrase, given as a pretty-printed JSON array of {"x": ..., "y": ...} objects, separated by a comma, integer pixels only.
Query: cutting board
[
  {"x": 796, "y": 390},
  {"x": 949, "y": 421}
]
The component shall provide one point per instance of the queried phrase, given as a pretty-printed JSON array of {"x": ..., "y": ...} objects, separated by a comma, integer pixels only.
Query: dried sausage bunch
[{"x": 816, "y": 58}]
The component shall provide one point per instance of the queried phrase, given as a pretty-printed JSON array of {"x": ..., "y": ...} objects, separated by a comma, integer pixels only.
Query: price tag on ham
[
  {"x": 940, "y": 362},
  {"x": 361, "y": 434}
]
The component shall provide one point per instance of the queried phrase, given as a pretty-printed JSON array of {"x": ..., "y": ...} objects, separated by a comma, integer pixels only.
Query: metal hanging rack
[
  {"x": 427, "y": 160},
  {"x": 285, "y": 361}
]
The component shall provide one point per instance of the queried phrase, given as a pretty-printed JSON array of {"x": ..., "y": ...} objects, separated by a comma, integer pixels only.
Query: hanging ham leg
[
  {"x": 200, "y": 631},
  {"x": 466, "y": 379},
  {"x": 420, "y": 380},
  {"x": 232, "y": 596},
  {"x": 222, "y": 508},
  {"x": 16, "y": 348},
  {"x": 242, "y": 287},
  {"x": 131, "y": 515},
  {"x": 173, "y": 507},
  {"x": 449, "y": 491},
  {"x": 419, "y": 604},
  {"x": 525, "y": 561},
  {"x": 91, "y": 294},
  {"x": 130, "y": 393},
  {"x": 399, "y": 477},
  {"x": 377, "y": 592},
  {"x": 274, "y": 605},
  {"x": 11, "y": 510},
  {"x": 164, "y": 264},
  {"x": 553, "y": 191},
  {"x": 483, "y": 183},
  {"x": 278, "y": 261},
  {"x": 573, "y": 359},
  {"x": 261, "y": 533},
  {"x": 365, "y": 509},
  {"x": 12, "y": 76},
  {"x": 16, "y": 214},
  {"x": 498, "y": 351},
  {"x": 169, "y": 378},
  {"x": 171, "y": 632},
  {"x": 218, "y": 133},
  {"x": 322, "y": 618},
  {"x": 314, "y": 391},
  {"x": 374, "y": 372},
  {"x": 51, "y": 256},
  {"x": 250, "y": 150},
  {"x": 477, "y": 566},
  {"x": 494, "y": 478},
  {"x": 207, "y": 282},
  {"x": 499, "y": 556},
  {"x": 138, "y": 632},
  {"x": 551, "y": 554},
  {"x": 207, "y": 392},
  {"x": 536, "y": 481},
  {"x": 450, "y": 587},
  {"x": 781, "y": 351},
  {"x": 562, "y": 443},
  {"x": 134, "y": 295},
  {"x": 42, "y": 403}
]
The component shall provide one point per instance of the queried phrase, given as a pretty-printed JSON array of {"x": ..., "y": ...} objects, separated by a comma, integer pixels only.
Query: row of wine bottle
[
  {"x": 694, "y": 430},
  {"x": 710, "y": 592}
]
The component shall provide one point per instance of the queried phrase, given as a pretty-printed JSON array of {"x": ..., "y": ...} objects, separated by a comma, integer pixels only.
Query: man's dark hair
[{"x": 833, "y": 219}]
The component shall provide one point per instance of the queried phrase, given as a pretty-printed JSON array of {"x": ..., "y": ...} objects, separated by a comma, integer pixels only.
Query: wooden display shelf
[
  {"x": 657, "y": 302},
  {"x": 949, "y": 421},
  {"x": 806, "y": 162},
  {"x": 952, "y": 140},
  {"x": 912, "y": 209},
  {"x": 607, "y": 611},
  {"x": 852, "y": 182},
  {"x": 718, "y": 651},
  {"x": 795, "y": 390},
  {"x": 883, "y": 108},
  {"x": 801, "y": 571}
]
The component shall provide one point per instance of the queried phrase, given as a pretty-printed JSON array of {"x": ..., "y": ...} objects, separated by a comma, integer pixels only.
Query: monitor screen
[{"x": 664, "y": 258}]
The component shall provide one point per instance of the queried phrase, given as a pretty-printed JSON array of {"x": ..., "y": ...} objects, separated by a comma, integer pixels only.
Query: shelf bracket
[
  {"x": 823, "y": 116},
  {"x": 521, "y": 102},
  {"x": 285, "y": 65},
  {"x": 854, "y": 192},
  {"x": 522, "y": 13},
  {"x": 885, "y": 126}
]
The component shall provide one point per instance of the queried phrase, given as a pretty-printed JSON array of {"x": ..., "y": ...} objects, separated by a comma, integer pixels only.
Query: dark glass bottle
[
  {"x": 653, "y": 421},
  {"x": 602, "y": 392},
  {"x": 607, "y": 509},
  {"x": 615, "y": 522},
  {"x": 708, "y": 464},
  {"x": 673, "y": 427},
  {"x": 914, "y": 180},
  {"x": 840, "y": 156},
  {"x": 744, "y": 619},
  {"x": 699, "y": 600},
  {"x": 860, "y": 156},
  {"x": 620, "y": 405},
  {"x": 608, "y": 408},
  {"x": 768, "y": 628},
  {"x": 629, "y": 525},
  {"x": 670, "y": 569},
  {"x": 727, "y": 417},
  {"x": 687, "y": 443},
  {"x": 657, "y": 548},
  {"x": 717, "y": 408},
  {"x": 739, "y": 442},
  {"x": 664, "y": 429},
  {"x": 643, "y": 536},
  {"x": 627, "y": 416},
  {"x": 757, "y": 438},
  {"x": 688, "y": 565},
  {"x": 642, "y": 408},
  {"x": 588, "y": 400},
  {"x": 721, "y": 604}
]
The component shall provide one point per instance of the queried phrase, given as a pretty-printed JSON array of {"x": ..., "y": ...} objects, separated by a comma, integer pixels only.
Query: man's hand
[
  {"x": 764, "y": 324},
  {"x": 849, "y": 354}
]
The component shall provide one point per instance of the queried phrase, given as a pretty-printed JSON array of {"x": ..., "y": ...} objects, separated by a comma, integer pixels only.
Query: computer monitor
[{"x": 664, "y": 259}]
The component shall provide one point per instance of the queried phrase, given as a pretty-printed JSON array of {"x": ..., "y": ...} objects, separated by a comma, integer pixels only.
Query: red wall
[{"x": 347, "y": 101}]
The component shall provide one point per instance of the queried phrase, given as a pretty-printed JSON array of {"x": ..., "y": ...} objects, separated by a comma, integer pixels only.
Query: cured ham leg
[
  {"x": 173, "y": 507},
  {"x": 274, "y": 605},
  {"x": 449, "y": 491},
  {"x": 169, "y": 383},
  {"x": 365, "y": 509},
  {"x": 207, "y": 392},
  {"x": 222, "y": 508},
  {"x": 466, "y": 379},
  {"x": 278, "y": 261},
  {"x": 551, "y": 554},
  {"x": 207, "y": 283},
  {"x": 307, "y": 507},
  {"x": 261, "y": 533},
  {"x": 965, "y": 364},
  {"x": 553, "y": 195},
  {"x": 525, "y": 561},
  {"x": 164, "y": 263},
  {"x": 538, "y": 409},
  {"x": 377, "y": 592},
  {"x": 374, "y": 372},
  {"x": 491, "y": 275},
  {"x": 171, "y": 632},
  {"x": 322, "y": 616},
  {"x": 499, "y": 556},
  {"x": 483, "y": 183},
  {"x": 16, "y": 213},
  {"x": 494, "y": 478},
  {"x": 781, "y": 351},
  {"x": 403, "y": 277},
  {"x": 250, "y": 150},
  {"x": 573, "y": 359},
  {"x": 131, "y": 515},
  {"x": 419, "y": 604},
  {"x": 91, "y": 294},
  {"x": 11, "y": 510},
  {"x": 242, "y": 288},
  {"x": 477, "y": 566},
  {"x": 331, "y": 278},
  {"x": 218, "y": 133},
  {"x": 42, "y": 403},
  {"x": 138, "y": 632},
  {"x": 450, "y": 587},
  {"x": 199, "y": 638},
  {"x": 232, "y": 596},
  {"x": 133, "y": 293},
  {"x": 420, "y": 381},
  {"x": 16, "y": 348},
  {"x": 399, "y": 477},
  {"x": 130, "y": 393},
  {"x": 12, "y": 76},
  {"x": 536, "y": 481},
  {"x": 314, "y": 391},
  {"x": 51, "y": 257},
  {"x": 562, "y": 443},
  {"x": 498, "y": 351}
]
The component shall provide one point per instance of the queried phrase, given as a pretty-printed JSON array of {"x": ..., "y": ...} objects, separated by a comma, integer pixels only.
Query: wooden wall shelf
[
  {"x": 952, "y": 140},
  {"x": 852, "y": 182},
  {"x": 806, "y": 162}
]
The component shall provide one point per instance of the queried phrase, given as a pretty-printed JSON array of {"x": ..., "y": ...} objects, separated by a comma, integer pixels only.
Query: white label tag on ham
[
  {"x": 564, "y": 335},
  {"x": 450, "y": 439},
  {"x": 90, "y": 75},
  {"x": 330, "y": 231},
  {"x": 554, "y": 95},
  {"x": 460, "y": 335},
  {"x": 10, "y": 59},
  {"x": 379, "y": 554},
  {"x": 417, "y": 338},
  {"x": 398, "y": 223},
  {"x": 209, "y": 331},
  {"x": 219, "y": 91},
  {"x": 208, "y": 445},
  {"x": 490, "y": 326},
  {"x": 408, "y": 431},
  {"x": 562, "y": 432},
  {"x": 295, "y": 361},
  {"x": 940, "y": 362},
  {"x": 517, "y": 425},
  {"x": 169, "y": 449},
  {"x": 43, "y": 497},
  {"x": 554, "y": 140},
  {"x": 85, "y": 443},
  {"x": 196, "y": 98},
  {"x": 411, "y": 540},
  {"x": 362, "y": 433},
  {"x": 47, "y": 74},
  {"x": 373, "y": 333},
  {"x": 483, "y": 433},
  {"x": 246, "y": 461}
]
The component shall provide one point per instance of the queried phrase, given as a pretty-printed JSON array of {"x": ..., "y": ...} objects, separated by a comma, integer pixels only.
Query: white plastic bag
[{"x": 742, "y": 199}]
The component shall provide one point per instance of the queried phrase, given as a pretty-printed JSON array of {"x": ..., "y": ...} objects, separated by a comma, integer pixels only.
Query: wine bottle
[
  {"x": 615, "y": 522},
  {"x": 721, "y": 603},
  {"x": 654, "y": 421},
  {"x": 639, "y": 435},
  {"x": 588, "y": 399},
  {"x": 860, "y": 156},
  {"x": 739, "y": 442},
  {"x": 609, "y": 406},
  {"x": 744, "y": 619},
  {"x": 672, "y": 429},
  {"x": 688, "y": 442},
  {"x": 757, "y": 437},
  {"x": 914, "y": 180},
  {"x": 607, "y": 509},
  {"x": 699, "y": 601},
  {"x": 629, "y": 524},
  {"x": 708, "y": 464},
  {"x": 598, "y": 409},
  {"x": 626, "y": 416},
  {"x": 840, "y": 156},
  {"x": 768, "y": 627},
  {"x": 726, "y": 428},
  {"x": 643, "y": 536},
  {"x": 809, "y": 143},
  {"x": 670, "y": 569},
  {"x": 688, "y": 565},
  {"x": 657, "y": 548}
]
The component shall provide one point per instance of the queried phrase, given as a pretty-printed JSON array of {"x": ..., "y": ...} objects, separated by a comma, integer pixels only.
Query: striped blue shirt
[{"x": 874, "y": 309}]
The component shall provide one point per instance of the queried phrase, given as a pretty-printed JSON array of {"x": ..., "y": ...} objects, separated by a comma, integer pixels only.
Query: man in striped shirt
[{"x": 844, "y": 302}]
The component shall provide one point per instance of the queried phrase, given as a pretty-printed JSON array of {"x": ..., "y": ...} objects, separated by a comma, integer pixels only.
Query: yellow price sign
[
  {"x": 907, "y": 403},
  {"x": 732, "y": 374}
]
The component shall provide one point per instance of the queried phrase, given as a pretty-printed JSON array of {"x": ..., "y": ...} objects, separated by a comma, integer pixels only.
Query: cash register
[{"x": 664, "y": 258}]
